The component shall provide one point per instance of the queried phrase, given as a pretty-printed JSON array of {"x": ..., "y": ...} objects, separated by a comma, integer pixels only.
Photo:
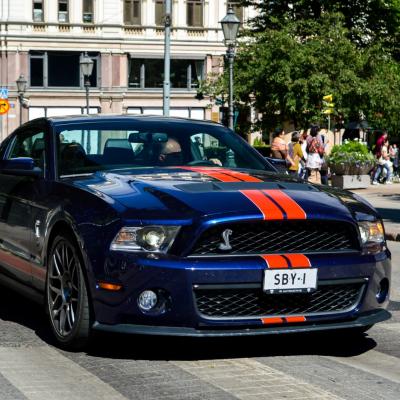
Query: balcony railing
[{"x": 107, "y": 31}]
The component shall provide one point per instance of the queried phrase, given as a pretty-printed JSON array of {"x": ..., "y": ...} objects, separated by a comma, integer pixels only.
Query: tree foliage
[{"x": 298, "y": 51}]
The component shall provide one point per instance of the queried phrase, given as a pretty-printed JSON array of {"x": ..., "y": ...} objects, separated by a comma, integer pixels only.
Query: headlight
[
  {"x": 371, "y": 232},
  {"x": 146, "y": 238}
]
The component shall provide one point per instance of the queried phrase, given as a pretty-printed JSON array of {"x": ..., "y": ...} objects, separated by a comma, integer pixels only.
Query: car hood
[{"x": 186, "y": 193}]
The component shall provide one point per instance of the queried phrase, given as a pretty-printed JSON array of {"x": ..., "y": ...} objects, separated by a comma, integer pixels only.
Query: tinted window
[
  {"x": 29, "y": 144},
  {"x": 105, "y": 146}
]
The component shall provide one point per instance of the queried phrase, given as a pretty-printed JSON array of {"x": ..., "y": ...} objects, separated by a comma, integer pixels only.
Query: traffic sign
[
  {"x": 4, "y": 106},
  {"x": 3, "y": 92}
]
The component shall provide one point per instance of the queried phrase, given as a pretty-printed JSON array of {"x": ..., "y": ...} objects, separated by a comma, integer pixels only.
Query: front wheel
[{"x": 66, "y": 295}]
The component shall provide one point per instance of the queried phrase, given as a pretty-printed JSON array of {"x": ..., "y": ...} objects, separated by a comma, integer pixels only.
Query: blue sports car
[{"x": 167, "y": 226}]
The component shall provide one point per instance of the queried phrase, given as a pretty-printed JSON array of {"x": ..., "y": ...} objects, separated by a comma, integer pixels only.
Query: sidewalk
[{"x": 386, "y": 199}]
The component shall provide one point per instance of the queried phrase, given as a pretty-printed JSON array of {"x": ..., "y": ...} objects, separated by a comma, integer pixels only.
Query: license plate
[{"x": 290, "y": 280}]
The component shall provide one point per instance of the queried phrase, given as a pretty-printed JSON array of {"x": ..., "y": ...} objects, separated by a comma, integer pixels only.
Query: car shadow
[{"x": 31, "y": 316}]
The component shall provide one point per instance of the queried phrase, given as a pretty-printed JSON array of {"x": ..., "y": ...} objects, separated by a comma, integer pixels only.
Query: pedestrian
[
  {"x": 295, "y": 153},
  {"x": 279, "y": 148},
  {"x": 394, "y": 158},
  {"x": 303, "y": 143},
  {"x": 384, "y": 164},
  {"x": 379, "y": 143},
  {"x": 315, "y": 152}
]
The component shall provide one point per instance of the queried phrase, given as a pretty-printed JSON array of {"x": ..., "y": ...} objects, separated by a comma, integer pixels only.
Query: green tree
[{"x": 298, "y": 51}]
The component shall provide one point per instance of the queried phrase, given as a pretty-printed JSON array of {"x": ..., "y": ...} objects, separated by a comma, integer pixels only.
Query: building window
[
  {"x": 159, "y": 12},
  {"x": 236, "y": 7},
  {"x": 60, "y": 69},
  {"x": 194, "y": 15},
  {"x": 87, "y": 11},
  {"x": 132, "y": 12},
  {"x": 38, "y": 15},
  {"x": 149, "y": 73},
  {"x": 63, "y": 11}
]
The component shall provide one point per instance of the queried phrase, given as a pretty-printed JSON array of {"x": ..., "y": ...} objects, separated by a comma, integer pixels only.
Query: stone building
[{"x": 45, "y": 40}]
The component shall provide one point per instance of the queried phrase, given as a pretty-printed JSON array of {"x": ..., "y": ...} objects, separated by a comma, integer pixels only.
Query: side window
[
  {"x": 3, "y": 147},
  {"x": 30, "y": 144}
]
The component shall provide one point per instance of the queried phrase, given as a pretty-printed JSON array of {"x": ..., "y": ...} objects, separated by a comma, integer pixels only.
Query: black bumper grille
[
  {"x": 275, "y": 237},
  {"x": 240, "y": 303}
]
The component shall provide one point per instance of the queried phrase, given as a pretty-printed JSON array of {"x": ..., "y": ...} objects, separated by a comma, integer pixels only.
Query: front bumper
[
  {"x": 119, "y": 311},
  {"x": 366, "y": 319}
]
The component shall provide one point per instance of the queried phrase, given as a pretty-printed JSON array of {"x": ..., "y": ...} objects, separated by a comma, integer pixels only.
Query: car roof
[{"x": 61, "y": 120}]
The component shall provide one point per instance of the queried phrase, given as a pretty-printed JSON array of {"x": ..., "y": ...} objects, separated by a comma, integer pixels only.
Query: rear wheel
[{"x": 66, "y": 295}]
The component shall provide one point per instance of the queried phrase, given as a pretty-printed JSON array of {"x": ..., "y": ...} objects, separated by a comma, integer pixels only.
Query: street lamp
[
  {"x": 21, "y": 87},
  {"x": 230, "y": 27},
  {"x": 86, "y": 64},
  {"x": 167, "y": 57}
]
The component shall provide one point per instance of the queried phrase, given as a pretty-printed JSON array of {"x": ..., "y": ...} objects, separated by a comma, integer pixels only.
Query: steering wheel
[{"x": 201, "y": 162}]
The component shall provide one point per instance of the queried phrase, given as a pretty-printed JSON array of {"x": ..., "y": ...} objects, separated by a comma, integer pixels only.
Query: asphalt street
[{"x": 324, "y": 366}]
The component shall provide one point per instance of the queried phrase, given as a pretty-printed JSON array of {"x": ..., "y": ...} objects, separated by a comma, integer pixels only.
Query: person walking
[
  {"x": 295, "y": 153},
  {"x": 315, "y": 152},
  {"x": 279, "y": 148},
  {"x": 383, "y": 164}
]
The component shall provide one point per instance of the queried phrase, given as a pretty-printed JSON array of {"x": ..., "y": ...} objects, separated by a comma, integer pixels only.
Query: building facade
[{"x": 45, "y": 40}]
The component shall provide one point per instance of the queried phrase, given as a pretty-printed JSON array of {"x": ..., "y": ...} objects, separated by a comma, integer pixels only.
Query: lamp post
[
  {"x": 21, "y": 87},
  {"x": 86, "y": 64},
  {"x": 230, "y": 27},
  {"x": 167, "y": 57}
]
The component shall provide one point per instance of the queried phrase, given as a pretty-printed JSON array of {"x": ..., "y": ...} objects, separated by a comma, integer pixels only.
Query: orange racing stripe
[
  {"x": 213, "y": 173},
  {"x": 275, "y": 261},
  {"x": 268, "y": 208},
  {"x": 291, "y": 207},
  {"x": 272, "y": 320},
  {"x": 282, "y": 320},
  {"x": 298, "y": 260}
]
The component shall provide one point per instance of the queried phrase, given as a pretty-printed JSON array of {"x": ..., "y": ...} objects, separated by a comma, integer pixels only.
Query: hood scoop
[{"x": 203, "y": 187}]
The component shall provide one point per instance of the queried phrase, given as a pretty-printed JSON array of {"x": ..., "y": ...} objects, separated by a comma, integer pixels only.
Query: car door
[{"x": 17, "y": 193}]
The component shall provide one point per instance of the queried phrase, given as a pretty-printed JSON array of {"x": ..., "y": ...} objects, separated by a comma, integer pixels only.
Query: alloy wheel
[{"x": 63, "y": 288}]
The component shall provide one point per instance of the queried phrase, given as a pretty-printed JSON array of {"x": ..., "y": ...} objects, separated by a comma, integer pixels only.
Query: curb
[{"x": 395, "y": 236}]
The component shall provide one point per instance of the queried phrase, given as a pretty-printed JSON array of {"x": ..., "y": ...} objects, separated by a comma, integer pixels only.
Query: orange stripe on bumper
[
  {"x": 298, "y": 260},
  {"x": 295, "y": 319},
  {"x": 268, "y": 209},
  {"x": 282, "y": 320},
  {"x": 291, "y": 208},
  {"x": 272, "y": 320},
  {"x": 275, "y": 261}
]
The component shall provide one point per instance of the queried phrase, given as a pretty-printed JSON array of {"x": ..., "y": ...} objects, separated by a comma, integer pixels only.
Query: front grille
[
  {"x": 274, "y": 237},
  {"x": 240, "y": 303}
]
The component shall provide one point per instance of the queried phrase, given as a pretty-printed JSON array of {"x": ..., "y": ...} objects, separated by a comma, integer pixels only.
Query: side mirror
[{"x": 22, "y": 166}]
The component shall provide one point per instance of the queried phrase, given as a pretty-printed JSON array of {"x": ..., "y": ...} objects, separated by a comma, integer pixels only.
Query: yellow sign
[
  {"x": 4, "y": 106},
  {"x": 327, "y": 111},
  {"x": 328, "y": 98}
]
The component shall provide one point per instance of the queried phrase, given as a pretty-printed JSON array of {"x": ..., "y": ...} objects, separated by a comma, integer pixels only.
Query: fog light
[
  {"x": 383, "y": 290},
  {"x": 147, "y": 300}
]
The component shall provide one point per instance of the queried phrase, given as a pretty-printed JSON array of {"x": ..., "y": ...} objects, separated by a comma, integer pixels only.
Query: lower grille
[{"x": 240, "y": 303}]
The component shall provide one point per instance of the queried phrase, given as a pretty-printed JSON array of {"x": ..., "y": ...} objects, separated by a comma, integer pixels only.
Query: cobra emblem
[{"x": 225, "y": 237}]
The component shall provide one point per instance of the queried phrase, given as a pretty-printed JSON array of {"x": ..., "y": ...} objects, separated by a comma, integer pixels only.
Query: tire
[{"x": 67, "y": 302}]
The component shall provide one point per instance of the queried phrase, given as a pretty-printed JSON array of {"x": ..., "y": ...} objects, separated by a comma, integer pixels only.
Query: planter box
[{"x": 351, "y": 181}]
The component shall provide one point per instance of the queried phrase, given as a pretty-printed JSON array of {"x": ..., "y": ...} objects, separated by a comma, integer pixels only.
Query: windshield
[{"x": 97, "y": 146}]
